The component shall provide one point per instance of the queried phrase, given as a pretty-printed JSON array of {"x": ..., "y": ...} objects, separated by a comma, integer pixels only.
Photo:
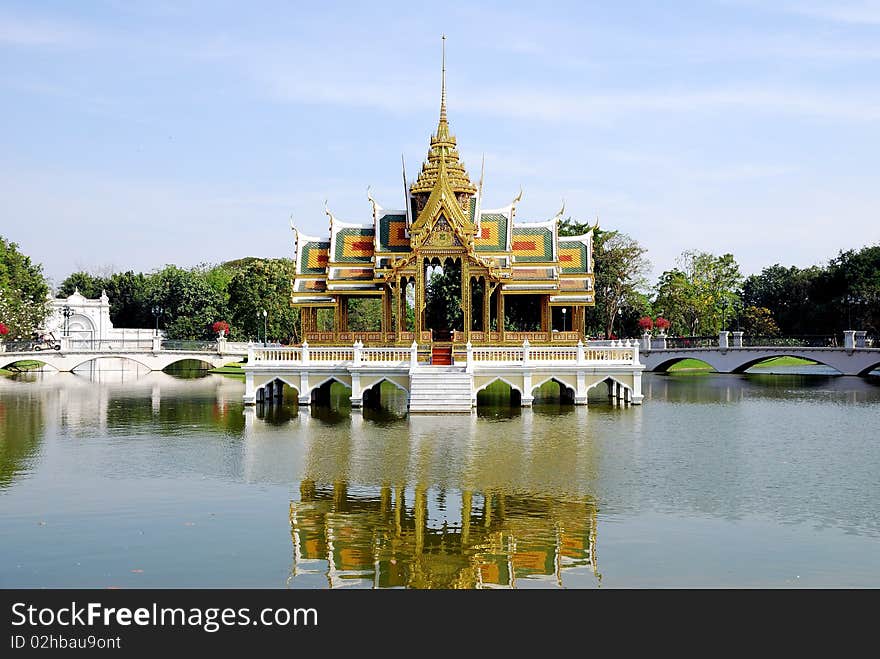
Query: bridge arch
[
  {"x": 499, "y": 378},
  {"x": 873, "y": 367},
  {"x": 379, "y": 382},
  {"x": 743, "y": 367},
  {"x": 613, "y": 380},
  {"x": 92, "y": 358},
  {"x": 13, "y": 359},
  {"x": 666, "y": 364},
  {"x": 179, "y": 360},
  {"x": 564, "y": 386},
  {"x": 330, "y": 379}
]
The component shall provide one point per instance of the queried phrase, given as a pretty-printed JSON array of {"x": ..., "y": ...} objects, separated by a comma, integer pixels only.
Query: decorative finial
[
  {"x": 292, "y": 227},
  {"x": 443, "y": 83},
  {"x": 518, "y": 197}
]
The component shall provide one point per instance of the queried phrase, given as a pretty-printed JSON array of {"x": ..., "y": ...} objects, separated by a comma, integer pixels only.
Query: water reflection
[
  {"x": 177, "y": 477},
  {"x": 419, "y": 537}
]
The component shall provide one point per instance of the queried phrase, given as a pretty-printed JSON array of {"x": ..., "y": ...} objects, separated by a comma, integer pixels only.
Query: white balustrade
[{"x": 358, "y": 355}]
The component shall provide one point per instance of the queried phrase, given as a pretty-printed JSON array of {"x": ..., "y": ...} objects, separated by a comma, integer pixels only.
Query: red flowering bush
[
  {"x": 662, "y": 324},
  {"x": 646, "y": 323},
  {"x": 221, "y": 327},
  {"x": 3, "y": 330}
]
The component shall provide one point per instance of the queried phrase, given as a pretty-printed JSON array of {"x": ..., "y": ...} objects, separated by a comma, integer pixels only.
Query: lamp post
[
  {"x": 157, "y": 311},
  {"x": 67, "y": 312},
  {"x": 564, "y": 310},
  {"x": 265, "y": 331},
  {"x": 620, "y": 321},
  {"x": 723, "y": 313}
]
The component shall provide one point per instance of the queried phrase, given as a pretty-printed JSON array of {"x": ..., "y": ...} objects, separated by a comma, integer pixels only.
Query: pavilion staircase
[
  {"x": 441, "y": 355},
  {"x": 440, "y": 389}
]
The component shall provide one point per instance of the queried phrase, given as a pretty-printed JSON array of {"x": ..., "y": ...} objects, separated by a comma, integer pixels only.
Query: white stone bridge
[
  {"x": 448, "y": 388},
  {"x": 154, "y": 355},
  {"x": 729, "y": 354}
]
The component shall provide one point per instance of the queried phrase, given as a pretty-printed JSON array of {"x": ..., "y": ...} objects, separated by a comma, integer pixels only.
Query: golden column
[
  {"x": 487, "y": 295},
  {"x": 387, "y": 296},
  {"x": 466, "y": 301}
]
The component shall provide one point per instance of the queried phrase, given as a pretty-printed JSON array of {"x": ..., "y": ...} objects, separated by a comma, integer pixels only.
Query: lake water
[{"x": 716, "y": 481}]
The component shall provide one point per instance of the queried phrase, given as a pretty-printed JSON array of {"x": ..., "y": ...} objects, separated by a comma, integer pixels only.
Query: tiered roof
[{"x": 360, "y": 258}]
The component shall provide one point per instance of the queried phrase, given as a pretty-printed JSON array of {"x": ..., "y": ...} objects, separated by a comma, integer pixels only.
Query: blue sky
[{"x": 138, "y": 134}]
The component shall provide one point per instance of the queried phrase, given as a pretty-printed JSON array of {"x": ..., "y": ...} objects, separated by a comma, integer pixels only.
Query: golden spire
[
  {"x": 443, "y": 85},
  {"x": 443, "y": 149}
]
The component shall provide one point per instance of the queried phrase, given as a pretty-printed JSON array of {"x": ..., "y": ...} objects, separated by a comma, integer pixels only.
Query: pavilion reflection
[{"x": 417, "y": 537}]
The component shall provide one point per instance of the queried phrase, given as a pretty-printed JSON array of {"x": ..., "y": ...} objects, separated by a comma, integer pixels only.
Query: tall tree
[
  {"x": 258, "y": 285},
  {"x": 89, "y": 285},
  {"x": 23, "y": 292},
  {"x": 190, "y": 305},
  {"x": 700, "y": 293},
  {"x": 621, "y": 267}
]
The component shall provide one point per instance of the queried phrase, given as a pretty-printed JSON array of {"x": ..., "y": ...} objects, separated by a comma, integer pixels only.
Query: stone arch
[
  {"x": 96, "y": 357},
  {"x": 14, "y": 358},
  {"x": 868, "y": 370},
  {"x": 331, "y": 379},
  {"x": 610, "y": 378},
  {"x": 186, "y": 359},
  {"x": 385, "y": 378},
  {"x": 672, "y": 361},
  {"x": 499, "y": 379},
  {"x": 281, "y": 378},
  {"x": 742, "y": 368},
  {"x": 80, "y": 326},
  {"x": 553, "y": 378}
]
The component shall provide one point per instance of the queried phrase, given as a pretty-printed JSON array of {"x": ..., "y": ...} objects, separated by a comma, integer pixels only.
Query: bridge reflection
[{"x": 418, "y": 537}]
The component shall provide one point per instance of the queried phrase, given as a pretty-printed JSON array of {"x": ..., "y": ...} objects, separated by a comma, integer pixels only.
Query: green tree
[
  {"x": 443, "y": 299},
  {"x": 129, "y": 306},
  {"x": 88, "y": 285},
  {"x": 23, "y": 292},
  {"x": 855, "y": 279},
  {"x": 191, "y": 305},
  {"x": 257, "y": 285},
  {"x": 697, "y": 295},
  {"x": 365, "y": 314},
  {"x": 794, "y": 296},
  {"x": 758, "y": 321},
  {"x": 621, "y": 267}
]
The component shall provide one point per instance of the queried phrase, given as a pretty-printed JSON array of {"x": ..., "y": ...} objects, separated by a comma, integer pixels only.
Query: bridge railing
[
  {"x": 103, "y": 345},
  {"x": 190, "y": 346},
  {"x": 683, "y": 342},
  {"x": 23, "y": 346},
  {"x": 802, "y": 341},
  {"x": 620, "y": 352}
]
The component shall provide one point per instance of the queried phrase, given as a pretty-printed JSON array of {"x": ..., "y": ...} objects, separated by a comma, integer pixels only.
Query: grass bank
[
  {"x": 233, "y": 368},
  {"x": 695, "y": 365}
]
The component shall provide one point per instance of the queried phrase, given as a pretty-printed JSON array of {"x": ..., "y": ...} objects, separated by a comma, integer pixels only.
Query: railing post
[
  {"x": 635, "y": 347},
  {"x": 580, "y": 352},
  {"x": 305, "y": 352},
  {"x": 849, "y": 340},
  {"x": 658, "y": 342},
  {"x": 723, "y": 343},
  {"x": 156, "y": 343},
  {"x": 221, "y": 345},
  {"x": 469, "y": 359},
  {"x": 357, "y": 353},
  {"x": 526, "y": 352},
  {"x": 646, "y": 342},
  {"x": 250, "y": 352},
  {"x": 414, "y": 355},
  {"x": 737, "y": 339},
  {"x": 860, "y": 338},
  {"x": 65, "y": 343}
]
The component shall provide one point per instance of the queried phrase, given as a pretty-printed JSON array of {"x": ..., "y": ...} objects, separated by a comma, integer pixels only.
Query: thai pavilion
[{"x": 504, "y": 264}]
